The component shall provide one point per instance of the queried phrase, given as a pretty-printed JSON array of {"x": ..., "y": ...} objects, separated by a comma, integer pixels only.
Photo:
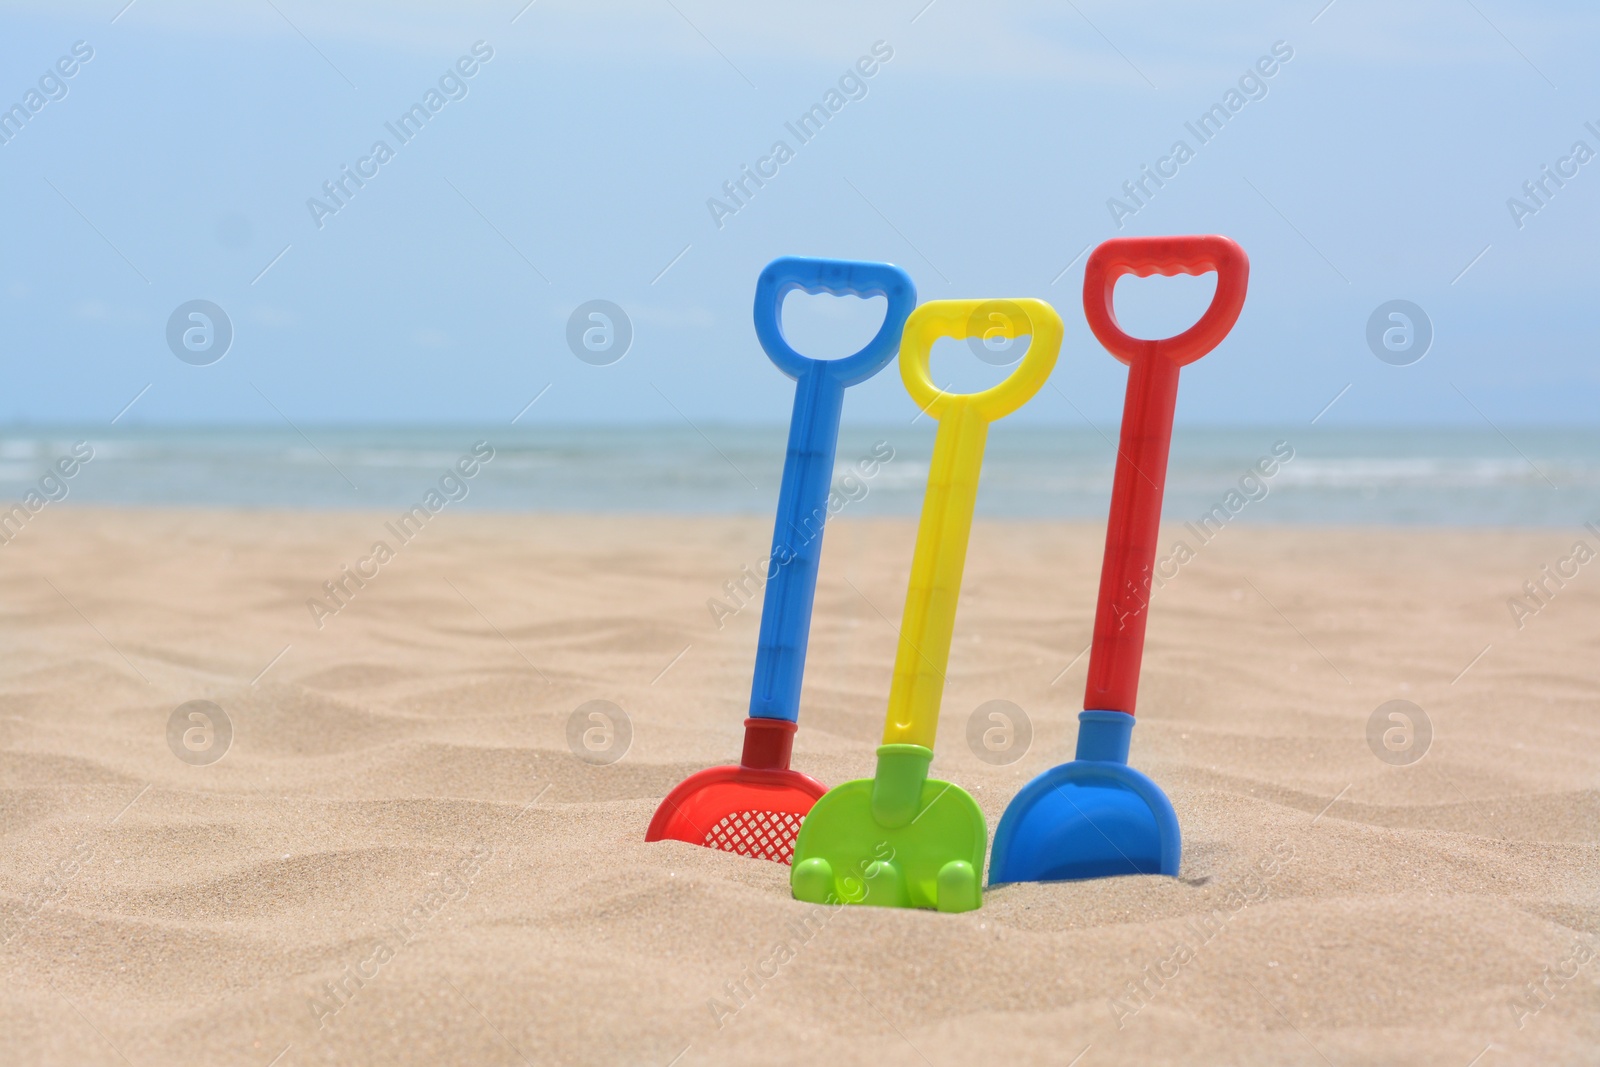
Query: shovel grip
[
  {"x": 1167, "y": 256},
  {"x": 836, "y": 277},
  {"x": 1146, "y": 438}
]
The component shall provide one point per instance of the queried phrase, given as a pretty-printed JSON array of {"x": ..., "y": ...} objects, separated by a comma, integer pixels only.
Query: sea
[{"x": 1392, "y": 476}]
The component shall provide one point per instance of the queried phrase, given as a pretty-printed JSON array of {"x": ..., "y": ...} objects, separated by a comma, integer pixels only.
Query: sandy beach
[{"x": 400, "y": 859}]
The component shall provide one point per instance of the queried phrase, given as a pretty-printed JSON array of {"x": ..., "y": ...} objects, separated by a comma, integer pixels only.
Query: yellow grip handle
[{"x": 946, "y": 522}]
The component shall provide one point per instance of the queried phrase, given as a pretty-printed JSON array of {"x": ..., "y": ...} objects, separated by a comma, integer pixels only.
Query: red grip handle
[
  {"x": 1141, "y": 474},
  {"x": 1144, "y": 256}
]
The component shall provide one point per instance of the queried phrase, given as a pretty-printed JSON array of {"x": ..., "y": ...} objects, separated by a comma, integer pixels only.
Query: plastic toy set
[{"x": 901, "y": 838}]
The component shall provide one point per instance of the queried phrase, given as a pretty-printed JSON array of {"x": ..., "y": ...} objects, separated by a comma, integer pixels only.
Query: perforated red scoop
[{"x": 754, "y": 809}]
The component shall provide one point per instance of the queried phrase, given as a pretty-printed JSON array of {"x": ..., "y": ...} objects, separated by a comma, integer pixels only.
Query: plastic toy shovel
[
  {"x": 902, "y": 839},
  {"x": 1096, "y": 816},
  {"x": 756, "y": 808}
]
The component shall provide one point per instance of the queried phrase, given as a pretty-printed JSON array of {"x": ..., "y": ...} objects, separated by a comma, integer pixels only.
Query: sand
[{"x": 399, "y": 810}]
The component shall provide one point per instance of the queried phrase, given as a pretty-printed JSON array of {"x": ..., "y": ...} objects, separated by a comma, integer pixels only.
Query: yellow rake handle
[{"x": 943, "y": 530}]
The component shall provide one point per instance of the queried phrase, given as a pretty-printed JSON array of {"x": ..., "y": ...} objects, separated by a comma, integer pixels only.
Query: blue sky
[{"x": 579, "y": 162}]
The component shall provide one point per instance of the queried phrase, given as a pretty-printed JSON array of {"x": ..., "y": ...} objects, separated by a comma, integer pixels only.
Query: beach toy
[
  {"x": 756, "y": 808},
  {"x": 1096, "y": 816},
  {"x": 902, "y": 839}
]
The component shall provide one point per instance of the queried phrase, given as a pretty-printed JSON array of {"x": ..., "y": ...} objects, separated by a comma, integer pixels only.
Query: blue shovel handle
[{"x": 808, "y": 468}]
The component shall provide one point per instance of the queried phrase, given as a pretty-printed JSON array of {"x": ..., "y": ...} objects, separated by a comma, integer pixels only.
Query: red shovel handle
[
  {"x": 1144, "y": 256},
  {"x": 1152, "y": 396}
]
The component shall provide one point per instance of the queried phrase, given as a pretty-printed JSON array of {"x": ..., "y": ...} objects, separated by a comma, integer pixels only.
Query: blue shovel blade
[{"x": 1091, "y": 818}]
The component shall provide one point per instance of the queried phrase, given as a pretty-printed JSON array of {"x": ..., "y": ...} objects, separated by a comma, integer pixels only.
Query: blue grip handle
[{"x": 808, "y": 467}]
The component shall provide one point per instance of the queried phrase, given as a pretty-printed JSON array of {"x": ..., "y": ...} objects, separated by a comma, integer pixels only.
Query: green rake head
[{"x": 899, "y": 840}]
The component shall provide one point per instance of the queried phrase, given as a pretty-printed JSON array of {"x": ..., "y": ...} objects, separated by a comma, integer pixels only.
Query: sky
[{"x": 184, "y": 159}]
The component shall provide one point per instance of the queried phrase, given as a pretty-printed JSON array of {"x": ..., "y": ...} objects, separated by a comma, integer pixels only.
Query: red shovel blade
[
  {"x": 752, "y": 810},
  {"x": 749, "y": 812}
]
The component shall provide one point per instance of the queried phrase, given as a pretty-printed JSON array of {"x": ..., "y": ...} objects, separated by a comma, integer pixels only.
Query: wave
[{"x": 1400, "y": 475}]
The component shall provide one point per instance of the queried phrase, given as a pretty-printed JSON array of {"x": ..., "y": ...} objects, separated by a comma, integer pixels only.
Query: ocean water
[{"x": 1527, "y": 477}]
